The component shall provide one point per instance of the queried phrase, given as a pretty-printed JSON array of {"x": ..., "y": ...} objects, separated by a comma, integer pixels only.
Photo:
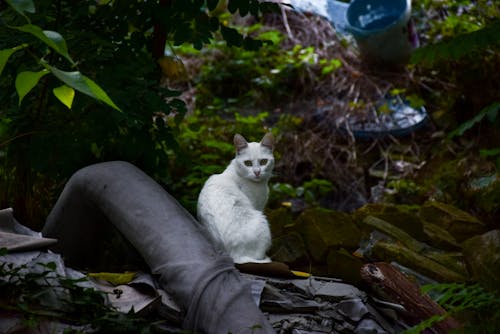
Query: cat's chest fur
[{"x": 256, "y": 192}]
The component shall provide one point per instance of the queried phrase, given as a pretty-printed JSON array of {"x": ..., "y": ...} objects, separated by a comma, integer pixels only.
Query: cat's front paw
[{"x": 247, "y": 259}]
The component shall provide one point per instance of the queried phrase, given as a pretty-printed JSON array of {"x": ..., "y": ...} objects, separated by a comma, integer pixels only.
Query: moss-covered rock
[
  {"x": 440, "y": 238},
  {"x": 324, "y": 229},
  {"x": 460, "y": 224},
  {"x": 392, "y": 232},
  {"x": 288, "y": 248},
  {"x": 485, "y": 192},
  {"x": 451, "y": 260},
  {"x": 388, "y": 252},
  {"x": 482, "y": 255},
  {"x": 403, "y": 217},
  {"x": 278, "y": 220},
  {"x": 344, "y": 265}
]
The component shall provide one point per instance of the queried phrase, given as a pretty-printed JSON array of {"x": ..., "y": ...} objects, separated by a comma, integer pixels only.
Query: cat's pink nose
[{"x": 257, "y": 172}]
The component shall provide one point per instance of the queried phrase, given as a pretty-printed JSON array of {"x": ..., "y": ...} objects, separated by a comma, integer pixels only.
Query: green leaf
[
  {"x": 490, "y": 111},
  {"x": 65, "y": 94},
  {"x": 232, "y": 6},
  {"x": 459, "y": 46},
  {"x": 243, "y": 8},
  {"x": 489, "y": 152},
  {"x": 270, "y": 7},
  {"x": 272, "y": 35},
  {"x": 6, "y": 53},
  {"x": 212, "y": 4},
  {"x": 252, "y": 44},
  {"x": 331, "y": 66},
  {"x": 51, "y": 265},
  {"x": 52, "y": 38},
  {"x": 231, "y": 36},
  {"x": 213, "y": 23},
  {"x": 415, "y": 101},
  {"x": 253, "y": 7},
  {"x": 82, "y": 84},
  {"x": 22, "y": 6},
  {"x": 25, "y": 81}
]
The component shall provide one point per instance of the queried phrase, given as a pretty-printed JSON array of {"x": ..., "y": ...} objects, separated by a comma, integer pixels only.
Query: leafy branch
[
  {"x": 26, "y": 291},
  {"x": 459, "y": 46},
  {"x": 27, "y": 80}
]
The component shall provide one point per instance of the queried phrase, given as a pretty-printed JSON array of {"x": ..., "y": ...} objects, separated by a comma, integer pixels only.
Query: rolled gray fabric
[{"x": 201, "y": 278}]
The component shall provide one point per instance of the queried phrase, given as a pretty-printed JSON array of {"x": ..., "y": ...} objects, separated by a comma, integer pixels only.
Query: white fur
[{"x": 230, "y": 204}]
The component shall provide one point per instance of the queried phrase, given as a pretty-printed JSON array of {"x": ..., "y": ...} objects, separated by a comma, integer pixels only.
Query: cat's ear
[
  {"x": 240, "y": 143},
  {"x": 268, "y": 141}
]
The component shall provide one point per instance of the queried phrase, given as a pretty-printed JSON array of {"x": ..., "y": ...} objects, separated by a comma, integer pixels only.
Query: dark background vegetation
[{"x": 186, "y": 75}]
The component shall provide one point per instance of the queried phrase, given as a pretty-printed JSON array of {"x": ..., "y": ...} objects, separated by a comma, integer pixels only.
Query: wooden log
[{"x": 397, "y": 288}]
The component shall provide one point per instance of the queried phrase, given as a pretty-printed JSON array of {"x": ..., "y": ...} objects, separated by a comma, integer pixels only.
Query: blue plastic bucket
[{"x": 380, "y": 28}]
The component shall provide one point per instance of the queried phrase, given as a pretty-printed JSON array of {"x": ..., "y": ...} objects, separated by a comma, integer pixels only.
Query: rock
[
  {"x": 451, "y": 260},
  {"x": 403, "y": 217},
  {"x": 336, "y": 291},
  {"x": 278, "y": 220},
  {"x": 482, "y": 255},
  {"x": 344, "y": 265},
  {"x": 393, "y": 232},
  {"x": 369, "y": 326},
  {"x": 485, "y": 192},
  {"x": 440, "y": 238},
  {"x": 394, "y": 252},
  {"x": 288, "y": 248},
  {"x": 324, "y": 229},
  {"x": 460, "y": 224}
]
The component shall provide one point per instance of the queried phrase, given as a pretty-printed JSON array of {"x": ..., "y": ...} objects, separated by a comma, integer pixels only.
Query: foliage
[
  {"x": 311, "y": 191},
  {"x": 444, "y": 20},
  {"x": 462, "y": 50},
  {"x": 459, "y": 298},
  {"x": 490, "y": 112},
  {"x": 494, "y": 153},
  {"x": 40, "y": 293},
  {"x": 45, "y": 47},
  {"x": 403, "y": 191},
  {"x": 27, "y": 80},
  {"x": 186, "y": 22},
  {"x": 461, "y": 53},
  {"x": 269, "y": 75},
  {"x": 459, "y": 46}
]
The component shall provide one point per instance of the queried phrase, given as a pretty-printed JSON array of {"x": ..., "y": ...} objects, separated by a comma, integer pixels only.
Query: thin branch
[{"x": 19, "y": 136}]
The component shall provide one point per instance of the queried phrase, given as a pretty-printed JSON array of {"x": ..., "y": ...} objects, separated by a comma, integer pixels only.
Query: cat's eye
[
  {"x": 263, "y": 162},
  {"x": 248, "y": 163}
]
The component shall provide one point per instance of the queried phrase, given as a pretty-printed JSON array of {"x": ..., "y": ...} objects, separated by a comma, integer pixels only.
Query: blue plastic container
[{"x": 380, "y": 28}]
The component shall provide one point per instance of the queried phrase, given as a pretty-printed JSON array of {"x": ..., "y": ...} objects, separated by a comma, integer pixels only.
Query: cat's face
[{"x": 254, "y": 161}]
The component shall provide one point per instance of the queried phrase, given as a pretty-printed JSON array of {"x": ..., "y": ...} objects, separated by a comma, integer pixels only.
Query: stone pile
[{"x": 435, "y": 242}]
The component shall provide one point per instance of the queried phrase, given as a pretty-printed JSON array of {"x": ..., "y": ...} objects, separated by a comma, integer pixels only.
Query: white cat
[{"x": 230, "y": 204}]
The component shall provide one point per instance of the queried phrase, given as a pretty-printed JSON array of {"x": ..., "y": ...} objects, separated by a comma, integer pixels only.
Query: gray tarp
[{"x": 202, "y": 279}]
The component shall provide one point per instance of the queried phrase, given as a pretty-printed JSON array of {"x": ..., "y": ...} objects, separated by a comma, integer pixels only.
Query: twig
[
  {"x": 19, "y": 136},
  {"x": 287, "y": 27}
]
